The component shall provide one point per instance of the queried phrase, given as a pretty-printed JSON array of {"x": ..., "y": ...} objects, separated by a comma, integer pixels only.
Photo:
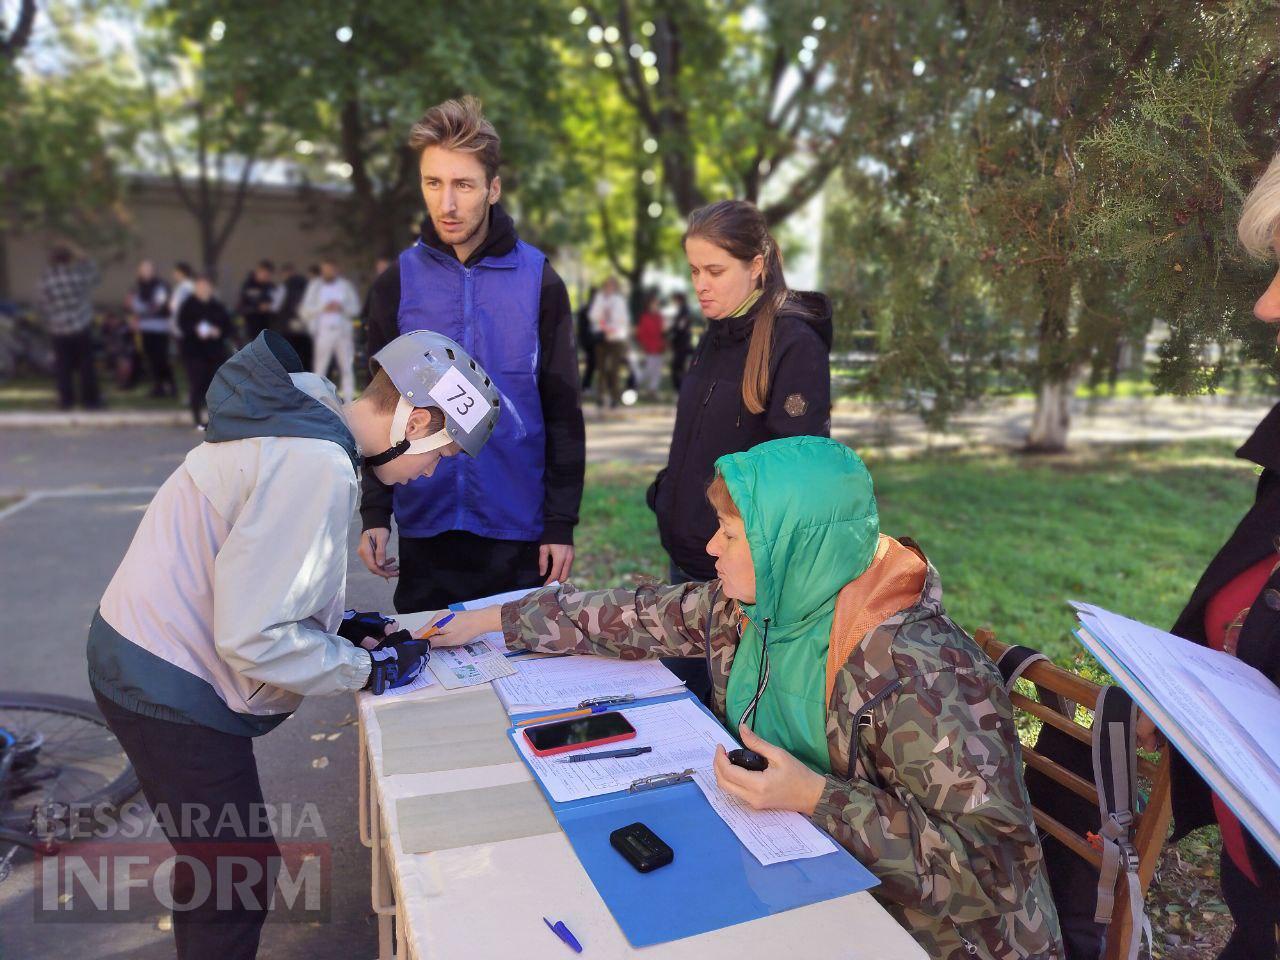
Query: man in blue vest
[{"x": 503, "y": 521}]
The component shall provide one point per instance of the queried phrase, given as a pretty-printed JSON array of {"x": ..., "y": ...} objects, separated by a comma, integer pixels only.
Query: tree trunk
[
  {"x": 1055, "y": 364},
  {"x": 1052, "y": 418}
]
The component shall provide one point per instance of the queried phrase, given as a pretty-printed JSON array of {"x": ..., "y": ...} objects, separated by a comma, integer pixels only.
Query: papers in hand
[
  {"x": 1217, "y": 710},
  {"x": 682, "y": 737},
  {"x": 564, "y": 682}
]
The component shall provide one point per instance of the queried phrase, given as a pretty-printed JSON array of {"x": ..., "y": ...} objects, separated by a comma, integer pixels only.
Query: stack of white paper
[
  {"x": 564, "y": 682},
  {"x": 1218, "y": 711}
]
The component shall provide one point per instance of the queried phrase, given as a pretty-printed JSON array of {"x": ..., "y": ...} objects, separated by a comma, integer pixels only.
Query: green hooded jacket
[{"x": 804, "y": 548}]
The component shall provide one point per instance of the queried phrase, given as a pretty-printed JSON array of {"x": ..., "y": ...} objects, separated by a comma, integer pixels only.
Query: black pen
[{"x": 604, "y": 755}]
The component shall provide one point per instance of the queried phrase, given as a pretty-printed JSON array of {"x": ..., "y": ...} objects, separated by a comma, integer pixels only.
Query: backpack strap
[
  {"x": 1015, "y": 661},
  {"x": 1116, "y": 776}
]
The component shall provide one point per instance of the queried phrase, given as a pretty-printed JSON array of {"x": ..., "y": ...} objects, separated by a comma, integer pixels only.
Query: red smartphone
[{"x": 580, "y": 732}]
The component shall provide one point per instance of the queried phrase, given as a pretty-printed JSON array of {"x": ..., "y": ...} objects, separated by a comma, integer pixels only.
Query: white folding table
[{"x": 488, "y": 900}]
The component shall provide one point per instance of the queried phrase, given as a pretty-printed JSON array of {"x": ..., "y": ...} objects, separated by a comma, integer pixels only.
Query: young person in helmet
[{"x": 228, "y": 605}]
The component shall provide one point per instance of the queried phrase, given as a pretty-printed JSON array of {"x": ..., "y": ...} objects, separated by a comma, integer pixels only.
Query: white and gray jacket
[{"x": 223, "y": 610}]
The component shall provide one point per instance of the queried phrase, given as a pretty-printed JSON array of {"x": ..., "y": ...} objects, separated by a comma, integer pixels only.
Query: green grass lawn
[{"x": 1013, "y": 537}]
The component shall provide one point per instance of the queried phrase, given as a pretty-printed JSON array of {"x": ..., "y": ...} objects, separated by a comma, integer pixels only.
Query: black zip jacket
[
  {"x": 712, "y": 419},
  {"x": 558, "y": 384},
  {"x": 212, "y": 311},
  {"x": 1257, "y": 536}
]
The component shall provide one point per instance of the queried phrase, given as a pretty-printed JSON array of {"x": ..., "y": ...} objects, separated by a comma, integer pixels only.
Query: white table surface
[{"x": 488, "y": 900}]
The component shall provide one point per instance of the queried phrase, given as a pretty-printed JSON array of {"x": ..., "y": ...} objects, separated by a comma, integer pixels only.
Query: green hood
[{"x": 810, "y": 515}]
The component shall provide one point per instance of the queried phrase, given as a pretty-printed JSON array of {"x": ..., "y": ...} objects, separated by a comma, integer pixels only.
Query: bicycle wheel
[{"x": 63, "y": 757}]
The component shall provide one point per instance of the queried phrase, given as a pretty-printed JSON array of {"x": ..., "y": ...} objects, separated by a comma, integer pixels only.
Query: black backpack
[{"x": 1085, "y": 898}]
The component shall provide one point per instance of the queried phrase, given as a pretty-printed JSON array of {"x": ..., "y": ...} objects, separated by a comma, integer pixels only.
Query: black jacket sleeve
[
  {"x": 380, "y": 329},
  {"x": 800, "y": 386},
  {"x": 560, "y": 391}
]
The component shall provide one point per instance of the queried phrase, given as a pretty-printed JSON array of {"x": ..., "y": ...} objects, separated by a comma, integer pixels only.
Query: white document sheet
[
  {"x": 1219, "y": 711},
  {"x": 563, "y": 682},
  {"x": 682, "y": 737},
  {"x": 772, "y": 836},
  {"x": 420, "y": 682},
  {"x": 479, "y": 661}
]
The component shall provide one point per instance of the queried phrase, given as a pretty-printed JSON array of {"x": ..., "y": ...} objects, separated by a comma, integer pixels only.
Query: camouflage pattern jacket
[{"x": 927, "y": 787}]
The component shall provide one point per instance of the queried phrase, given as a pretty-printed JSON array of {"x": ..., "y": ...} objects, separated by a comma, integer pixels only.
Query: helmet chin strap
[{"x": 400, "y": 445}]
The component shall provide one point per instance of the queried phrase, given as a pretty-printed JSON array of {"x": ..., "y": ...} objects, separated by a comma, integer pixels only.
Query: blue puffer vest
[{"x": 492, "y": 310}]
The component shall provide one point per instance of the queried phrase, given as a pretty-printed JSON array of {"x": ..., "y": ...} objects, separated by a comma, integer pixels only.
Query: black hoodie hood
[
  {"x": 500, "y": 240},
  {"x": 807, "y": 306}
]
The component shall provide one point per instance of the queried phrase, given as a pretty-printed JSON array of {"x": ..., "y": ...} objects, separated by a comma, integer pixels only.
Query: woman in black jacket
[
  {"x": 1236, "y": 607},
  {"x": 761, "y": 371}
]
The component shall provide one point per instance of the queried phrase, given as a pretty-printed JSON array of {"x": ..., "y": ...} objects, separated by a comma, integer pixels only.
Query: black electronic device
[
  {"x": 642, "y": 847},
  {"x": 588, "y": 731},
  {"x": 748, "y": 759}
]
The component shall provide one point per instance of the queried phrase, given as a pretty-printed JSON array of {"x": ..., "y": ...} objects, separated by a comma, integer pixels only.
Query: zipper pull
[{"x": 710, "y": 392}]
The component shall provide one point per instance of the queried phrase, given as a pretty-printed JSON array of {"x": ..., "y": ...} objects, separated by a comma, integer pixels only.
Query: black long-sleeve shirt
[{"x": 558, "y": 384}]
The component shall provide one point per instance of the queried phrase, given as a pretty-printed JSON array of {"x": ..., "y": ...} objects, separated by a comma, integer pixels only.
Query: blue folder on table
[{"x": 714, "y": 880}]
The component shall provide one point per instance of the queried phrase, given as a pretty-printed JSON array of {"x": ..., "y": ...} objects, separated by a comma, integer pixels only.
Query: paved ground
[{"x": 77, "y": 494}]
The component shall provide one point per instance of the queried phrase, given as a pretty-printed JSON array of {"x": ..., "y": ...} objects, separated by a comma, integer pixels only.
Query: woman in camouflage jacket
[{"x": 881, "y": 719}]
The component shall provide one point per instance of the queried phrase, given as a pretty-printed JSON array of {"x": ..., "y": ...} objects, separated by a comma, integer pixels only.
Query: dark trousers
[
  {"x": 1256, "y": 912},
  {"x": 156, "y": 348},
  {"x": 692, "y": 670},
  {"x": 255, "y": 323},
  {"x": 200, "y": 371},
  {"x": 589, "y": 365},
  {"x": 456, "y": 566},
  {"x": 611, "y": 362},
  {"x": 182, "y": 763},
  {"x": 72, "y": 360}
]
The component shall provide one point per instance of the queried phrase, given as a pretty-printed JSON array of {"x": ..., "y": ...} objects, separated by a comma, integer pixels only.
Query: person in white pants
[{"x": 329, "y": 308}]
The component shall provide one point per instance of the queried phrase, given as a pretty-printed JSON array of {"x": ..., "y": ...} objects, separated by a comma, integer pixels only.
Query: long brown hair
[{"x": 738, "y": 228}]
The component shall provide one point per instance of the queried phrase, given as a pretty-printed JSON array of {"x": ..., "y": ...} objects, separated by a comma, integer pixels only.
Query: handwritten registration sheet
[
  {"x": 682, "y": 737},
  {"x": 563, "y": 682}
]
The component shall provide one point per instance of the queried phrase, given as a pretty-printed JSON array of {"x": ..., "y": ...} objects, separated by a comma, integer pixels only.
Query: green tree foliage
[
  {"x": 348, "y": 81},
  {"x": 66, "y": 124},
  {"x": 1074, "y": 170}
]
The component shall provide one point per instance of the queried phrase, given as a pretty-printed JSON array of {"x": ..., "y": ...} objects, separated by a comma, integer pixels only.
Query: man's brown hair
[
  {"x": 459, "y": 125},
  {"x": 384, "y": 395}
]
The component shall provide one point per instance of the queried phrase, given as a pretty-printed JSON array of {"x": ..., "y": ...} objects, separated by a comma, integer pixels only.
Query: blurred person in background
[
  {"x": 149, "y": 304},
  {"x": 588, "y": 337},
  {"x": 330, "y": 308},
  {"x": 66, "y": 286},
  {"x": 206, "y": 329},
  {"x": 652, "y": 340},
  {"x": 260, "y": 300},
  {"x": 680, "y": 334},
  {"x": 611, "y": 318},
  {"x": 292, "y": 325}
]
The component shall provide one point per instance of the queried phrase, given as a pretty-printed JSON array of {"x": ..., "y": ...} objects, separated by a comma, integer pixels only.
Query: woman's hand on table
[
  {"x": 787, "y": 784},
  {"x": 466, "y": 625}
]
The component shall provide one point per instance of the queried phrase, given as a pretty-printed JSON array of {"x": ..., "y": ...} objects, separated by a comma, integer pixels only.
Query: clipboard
[{"x": 713, "y": 882}]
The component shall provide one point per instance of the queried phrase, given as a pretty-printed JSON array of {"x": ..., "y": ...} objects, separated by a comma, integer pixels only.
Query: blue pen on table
[
  {"x": 561, "y": 931},
  {"x": 605, "y": 755}
]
